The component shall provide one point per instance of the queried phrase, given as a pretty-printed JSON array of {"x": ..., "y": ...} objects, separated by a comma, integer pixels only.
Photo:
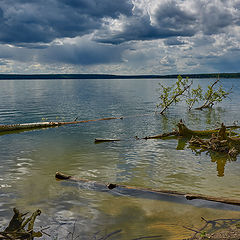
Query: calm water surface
[{"x": 29, "y": 159}]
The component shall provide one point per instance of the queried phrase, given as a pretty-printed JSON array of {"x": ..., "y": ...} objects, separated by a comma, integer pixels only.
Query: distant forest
[{"x": 108, "y": 76}]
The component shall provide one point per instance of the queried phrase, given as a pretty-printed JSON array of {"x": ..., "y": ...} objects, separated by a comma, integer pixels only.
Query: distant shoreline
[{"x": 109, "y": 76}]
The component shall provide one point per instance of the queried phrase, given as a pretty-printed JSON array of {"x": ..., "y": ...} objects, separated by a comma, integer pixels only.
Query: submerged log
[
  {"x": 36, "y": 125},
  {"x": 100, "y": 140},
  {"x": 61, "y": 176},
  {"x": 163, "y": 135},
  {"x": 14, "y": 127}
]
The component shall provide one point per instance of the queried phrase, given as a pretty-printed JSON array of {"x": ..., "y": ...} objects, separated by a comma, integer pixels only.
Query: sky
[{"x": 119, "y": 36}]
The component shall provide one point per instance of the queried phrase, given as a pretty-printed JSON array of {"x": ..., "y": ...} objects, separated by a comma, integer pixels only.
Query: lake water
[{"x": 29, "y": 159}]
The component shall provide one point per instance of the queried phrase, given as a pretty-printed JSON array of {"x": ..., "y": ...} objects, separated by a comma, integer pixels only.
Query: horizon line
[{"x": 8, "y": 76}]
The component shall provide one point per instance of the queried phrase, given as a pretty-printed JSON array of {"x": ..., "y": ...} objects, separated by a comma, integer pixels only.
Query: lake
[{"x": 29, "y": 159}]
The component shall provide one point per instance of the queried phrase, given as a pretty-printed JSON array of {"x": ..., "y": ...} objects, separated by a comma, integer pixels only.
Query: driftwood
[
  {"x": 100, "y": 140},
  {"x": 220, "y": 142},
  {"x": 163, "y": 135},
  {"x": 15, "y": 127},
  {"x": 16, "y": 228},
  {"x": 184, "y": 131},
  {"x": 61, "y": 176}
]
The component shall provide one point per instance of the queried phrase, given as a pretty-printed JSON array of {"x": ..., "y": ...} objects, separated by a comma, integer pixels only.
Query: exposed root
[
  {"x": 16, "y": 228},
  {"x": 219, "y": 142}
]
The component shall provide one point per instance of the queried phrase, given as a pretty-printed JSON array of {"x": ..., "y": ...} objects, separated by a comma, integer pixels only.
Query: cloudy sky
[{"x": 119, "y": 36}]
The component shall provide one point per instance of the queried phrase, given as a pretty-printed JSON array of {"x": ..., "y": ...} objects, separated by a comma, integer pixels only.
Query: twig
[
  {"x": 191, "y": 229},
  {"x": 148, "y": 237},
  {"x": 110, "y": 234}
]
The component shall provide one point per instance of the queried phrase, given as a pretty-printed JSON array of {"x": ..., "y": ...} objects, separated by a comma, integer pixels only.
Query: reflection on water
[
  {"x": 182, "y": 143},
  {"x": 219, "y": 158},
  {"x": 214, "y": 115},
  {"x": 29, "y": 159}
]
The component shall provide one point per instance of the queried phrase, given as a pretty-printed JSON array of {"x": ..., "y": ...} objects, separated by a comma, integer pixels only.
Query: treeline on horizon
[{"x": 109, "y": 76}]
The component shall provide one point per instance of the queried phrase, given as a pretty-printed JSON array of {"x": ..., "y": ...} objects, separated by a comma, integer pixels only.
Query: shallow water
[{"x": 29, "y": 159}]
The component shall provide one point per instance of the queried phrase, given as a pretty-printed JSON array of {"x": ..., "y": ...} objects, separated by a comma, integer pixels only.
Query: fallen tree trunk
[
  {"x": 14, "y": 127},
  {"x": 22, "y": 126},
  {"x": 218, "y": 139},
  {"x": 25, "y": 126},
  {"x": 184, "y": 131},
  {"x": 61, "y": 176}
]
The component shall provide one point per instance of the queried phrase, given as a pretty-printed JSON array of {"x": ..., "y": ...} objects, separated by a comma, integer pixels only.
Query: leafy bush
[{"x": 182, "y": 90}]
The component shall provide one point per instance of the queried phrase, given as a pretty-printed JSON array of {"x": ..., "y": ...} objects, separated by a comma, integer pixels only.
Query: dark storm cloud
[
  {"x": 214, "y": 19},
  {"x": 15, "y": 53},
  {"x": 91, "y": 32},
  {"x": 136, "y": 28},
  {"x": 24, "y": 22},
  {"x": 170, "y": 16},
  {"x": 174, "y": 19},
  {"x": 85, "y": 53},
  {"x": 228, "y": 61},
  {"x": 101, "y": 8},
  {"x": 44, "y": 20},
  {"x": 173, "y": 42},
  {"x": 1, "y": 14},
  {"x": 171, "y": 21}
]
